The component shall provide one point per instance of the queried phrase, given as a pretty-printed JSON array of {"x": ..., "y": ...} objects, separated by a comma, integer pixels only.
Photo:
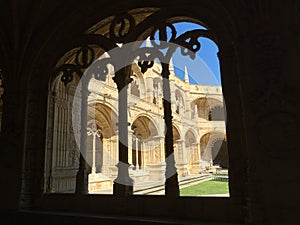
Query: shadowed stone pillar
[
  {"x": 123, "y": 184},
  {"x": 171, "y": 185},
  {"x": 82, "y": 175}
]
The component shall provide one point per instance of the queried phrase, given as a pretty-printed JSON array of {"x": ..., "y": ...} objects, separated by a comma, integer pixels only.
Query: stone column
[
  {"x": 82, "y": 175},
  {"x": 181, "y": 162},
  {"x": 142, "y": 155},
  {"x": 123, "y": 184},
  {"x": 108, "y": 148},
  {"x": 199, "y": 156},
  {"x": 195, "y": 163},
  {"x": 171, "y": 185},
  {"x": 113, "y": 170},
  {"x": 96, "y": 133},
  {"x": 105, "y": 157},
  {"x": 137, "y": 153},
  {"x": 162, "y": 146},
  {"x": 115, "y": 141},
  {"x": 130, "y": 134}
]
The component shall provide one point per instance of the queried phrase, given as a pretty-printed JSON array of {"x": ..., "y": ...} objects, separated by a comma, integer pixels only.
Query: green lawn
[{"x": 206, "y": 188}]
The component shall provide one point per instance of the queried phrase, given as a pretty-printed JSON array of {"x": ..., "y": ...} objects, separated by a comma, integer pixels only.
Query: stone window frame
[{"x": 51, "y": 201}]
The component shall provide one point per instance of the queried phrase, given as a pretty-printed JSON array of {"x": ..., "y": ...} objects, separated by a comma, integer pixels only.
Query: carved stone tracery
[{"x": 123, "y": 29}]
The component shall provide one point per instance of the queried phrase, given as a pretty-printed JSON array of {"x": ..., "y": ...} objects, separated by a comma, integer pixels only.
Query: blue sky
[{"x": 204, "y": 69}]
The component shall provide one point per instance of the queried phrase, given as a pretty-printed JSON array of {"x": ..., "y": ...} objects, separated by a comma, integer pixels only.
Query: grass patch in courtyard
[{"x": 206, "y": 188}]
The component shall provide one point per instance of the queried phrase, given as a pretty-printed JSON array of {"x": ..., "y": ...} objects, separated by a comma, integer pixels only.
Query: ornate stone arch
[
  {"x": 105, "y": 118},
  {"x": 145, "y": 125},
  {"x": 106, "y": 103},
  {"x": 210, "y": 144},
  {"x": 204, "y": 15}
]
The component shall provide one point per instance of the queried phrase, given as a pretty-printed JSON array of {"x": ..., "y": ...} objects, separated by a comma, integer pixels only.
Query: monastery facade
[{"x": 198, "y": 130}]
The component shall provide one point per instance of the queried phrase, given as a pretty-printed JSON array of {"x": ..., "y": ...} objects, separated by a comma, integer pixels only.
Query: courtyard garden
[{"x": 210, "y": 187}]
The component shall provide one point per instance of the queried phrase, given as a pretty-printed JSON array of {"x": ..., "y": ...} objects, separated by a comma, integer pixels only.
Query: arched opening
[
  {"x": 59, "y": 38},
  {"x": 147, "y": 84},
  {"x": 144, "y": 133},
  {"x": 101, "y": 147},
  {"x": 144, "y": 127},
  {"x": 200, "y": 108},
  {"x": 192, "y": 152},
  {"x": 214, "y": 151},
  {"x": 215, "y": 162},
  {"x": 153, "y": 105},
  {"x": 146, "y": 156},
  {"x": 208, "y": 109}
]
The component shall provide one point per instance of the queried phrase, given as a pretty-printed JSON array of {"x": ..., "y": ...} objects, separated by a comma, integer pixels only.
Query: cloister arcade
[{"x": 195, "y": 133}]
